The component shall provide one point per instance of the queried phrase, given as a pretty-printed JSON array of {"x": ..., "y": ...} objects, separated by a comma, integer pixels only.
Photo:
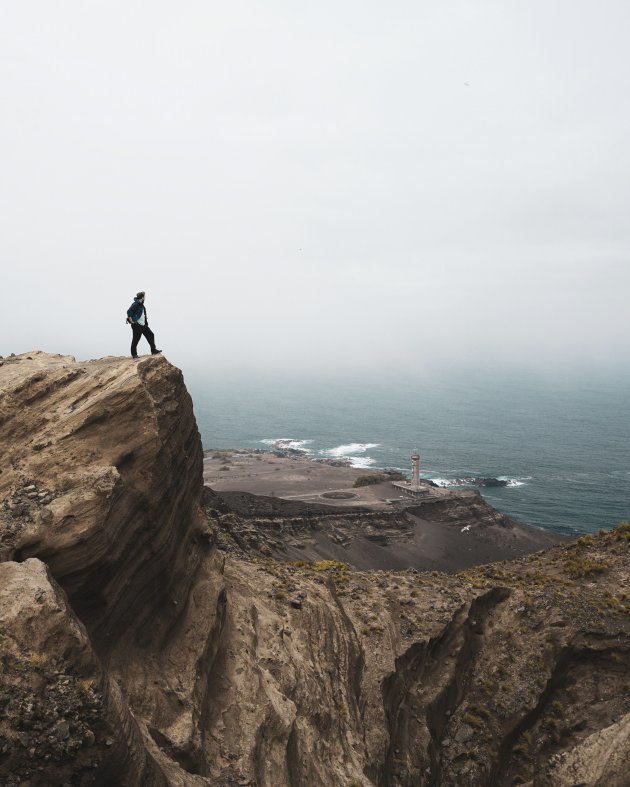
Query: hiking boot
[{"x": 155, "y": 352}]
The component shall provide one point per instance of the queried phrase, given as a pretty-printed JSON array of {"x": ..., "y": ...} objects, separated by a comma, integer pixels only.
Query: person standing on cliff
[{"x": 137, "y": 318}]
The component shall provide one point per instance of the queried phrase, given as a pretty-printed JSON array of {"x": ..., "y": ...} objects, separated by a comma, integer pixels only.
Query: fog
[{"x": 331, "y": 186}]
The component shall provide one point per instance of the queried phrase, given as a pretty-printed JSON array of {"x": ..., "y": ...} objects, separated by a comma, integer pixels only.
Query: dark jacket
[{"x": 136, "y": 310}]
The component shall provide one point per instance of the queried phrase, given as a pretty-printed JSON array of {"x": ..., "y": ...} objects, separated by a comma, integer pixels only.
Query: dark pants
[{"x": 138, "y": 331}]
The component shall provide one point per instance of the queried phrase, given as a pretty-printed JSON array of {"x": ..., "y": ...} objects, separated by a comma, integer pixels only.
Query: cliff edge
[{"x": 138, "y": 648}]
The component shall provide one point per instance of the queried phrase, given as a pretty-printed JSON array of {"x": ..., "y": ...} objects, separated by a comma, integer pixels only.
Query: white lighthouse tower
[
  {"x": 415, "y": 487},
  {"x": 415, "y": 470}
]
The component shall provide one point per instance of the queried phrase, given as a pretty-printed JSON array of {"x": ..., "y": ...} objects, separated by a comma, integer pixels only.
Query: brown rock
[{"x": 171, "y": 662}]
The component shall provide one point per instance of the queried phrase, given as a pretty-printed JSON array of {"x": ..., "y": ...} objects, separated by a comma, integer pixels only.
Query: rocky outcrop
[
  {"x": 101, "y": 480},
  {"x": 138, "y": 647},
  {"x": 63, "y": 720}
]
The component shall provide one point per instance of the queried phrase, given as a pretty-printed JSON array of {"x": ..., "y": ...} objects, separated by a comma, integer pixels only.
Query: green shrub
[
  {"x": 394, "y": 475},
  {"x": 368, "y": 480},
  {"x": 378, "y": 478}
]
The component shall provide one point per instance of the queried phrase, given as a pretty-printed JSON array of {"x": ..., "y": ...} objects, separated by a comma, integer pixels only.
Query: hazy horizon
[{"x": 344, "y": 188}]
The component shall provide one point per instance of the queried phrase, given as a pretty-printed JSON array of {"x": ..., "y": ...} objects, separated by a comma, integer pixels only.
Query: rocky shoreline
[{"x": 281, "y": 451}]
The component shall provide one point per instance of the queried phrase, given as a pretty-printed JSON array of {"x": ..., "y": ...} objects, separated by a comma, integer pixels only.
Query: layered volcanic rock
[
  {"x": 451, "y": 532},
  {"x": 138, "y": 647},
  {"x": 101, "y": 479}
]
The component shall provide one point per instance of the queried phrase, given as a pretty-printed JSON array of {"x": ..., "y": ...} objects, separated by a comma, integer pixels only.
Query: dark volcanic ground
[{"x": 370, "y": 527}]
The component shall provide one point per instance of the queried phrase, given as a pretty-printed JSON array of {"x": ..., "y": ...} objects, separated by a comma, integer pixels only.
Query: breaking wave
[
  {"x": 361, "y": 462},
  {"x": 514, "y": 481},
  {"x": 286, "y": 443},
  {"x": 350, "y": 449},
  {"x": 349, "y": 454},
  {"x": 480, "y": 481}
]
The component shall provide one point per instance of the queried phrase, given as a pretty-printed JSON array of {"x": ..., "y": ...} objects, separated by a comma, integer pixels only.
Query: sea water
[{"x": 563, "y": 445}]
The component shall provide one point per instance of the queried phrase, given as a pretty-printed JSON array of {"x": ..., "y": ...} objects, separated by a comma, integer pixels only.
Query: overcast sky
[{"x": 323, "y": 185}]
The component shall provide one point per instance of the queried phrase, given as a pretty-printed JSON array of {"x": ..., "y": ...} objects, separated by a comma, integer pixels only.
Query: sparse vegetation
[
  {"x": 378, "y": 478},
  {"x": 368, "y": 480},
  {"x": 488, "y": 688},
  {"x": 611, "y": 600},
  {"x": 481, "y": 711},
  {"x": 328, "y": 565},
  {"x": 337, "y": 569},
  {"x": 86, "y": 685},
  {"x": 524, "y": 744},
  {"x": 475, "y": 721},
  {"x": 585, "y": 567},
  {"x": 394, "y": 475}
]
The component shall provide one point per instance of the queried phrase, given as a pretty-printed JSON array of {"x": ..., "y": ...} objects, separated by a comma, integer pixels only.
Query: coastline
[{"x": 292, "y": 507}]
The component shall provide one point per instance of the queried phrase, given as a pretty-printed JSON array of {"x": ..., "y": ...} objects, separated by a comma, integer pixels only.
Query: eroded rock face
[
  {"x": 179, "y": 662},
  {"x": 63, "y": 721},
  {"x": 101, "y": 480}
]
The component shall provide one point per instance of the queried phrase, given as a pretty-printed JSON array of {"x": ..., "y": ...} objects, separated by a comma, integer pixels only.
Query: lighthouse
[
  {"x": 415, "y": 470},
  {"x": 414, "y": 487}
]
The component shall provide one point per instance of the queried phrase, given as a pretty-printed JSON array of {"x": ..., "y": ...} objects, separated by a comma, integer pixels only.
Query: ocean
[{"x": 563, "y": 445}]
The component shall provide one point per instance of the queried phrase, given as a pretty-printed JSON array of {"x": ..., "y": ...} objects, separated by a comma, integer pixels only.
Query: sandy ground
[{"x": 297, "y": 479}]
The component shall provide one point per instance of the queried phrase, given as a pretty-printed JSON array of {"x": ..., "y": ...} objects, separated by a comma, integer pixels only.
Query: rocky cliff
[{"x": 138, "y": 648}]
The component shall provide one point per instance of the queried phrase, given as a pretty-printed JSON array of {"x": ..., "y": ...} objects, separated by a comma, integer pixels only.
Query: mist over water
[{"x": 564, "y": 445}]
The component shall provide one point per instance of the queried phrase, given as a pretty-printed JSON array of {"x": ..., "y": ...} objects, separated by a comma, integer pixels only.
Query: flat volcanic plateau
[{"x": 295, "y": 508}]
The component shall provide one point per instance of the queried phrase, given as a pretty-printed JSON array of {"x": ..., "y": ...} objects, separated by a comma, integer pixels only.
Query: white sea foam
[
  {"x": 361, "y": 462},
  {"x": 349, "y": 453},
  {"x": 514, "y": 481},
  {"x": 283, "y": 443},
  {"x": 466, "y": 480},
  {"x": 350, "y": 449}
]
